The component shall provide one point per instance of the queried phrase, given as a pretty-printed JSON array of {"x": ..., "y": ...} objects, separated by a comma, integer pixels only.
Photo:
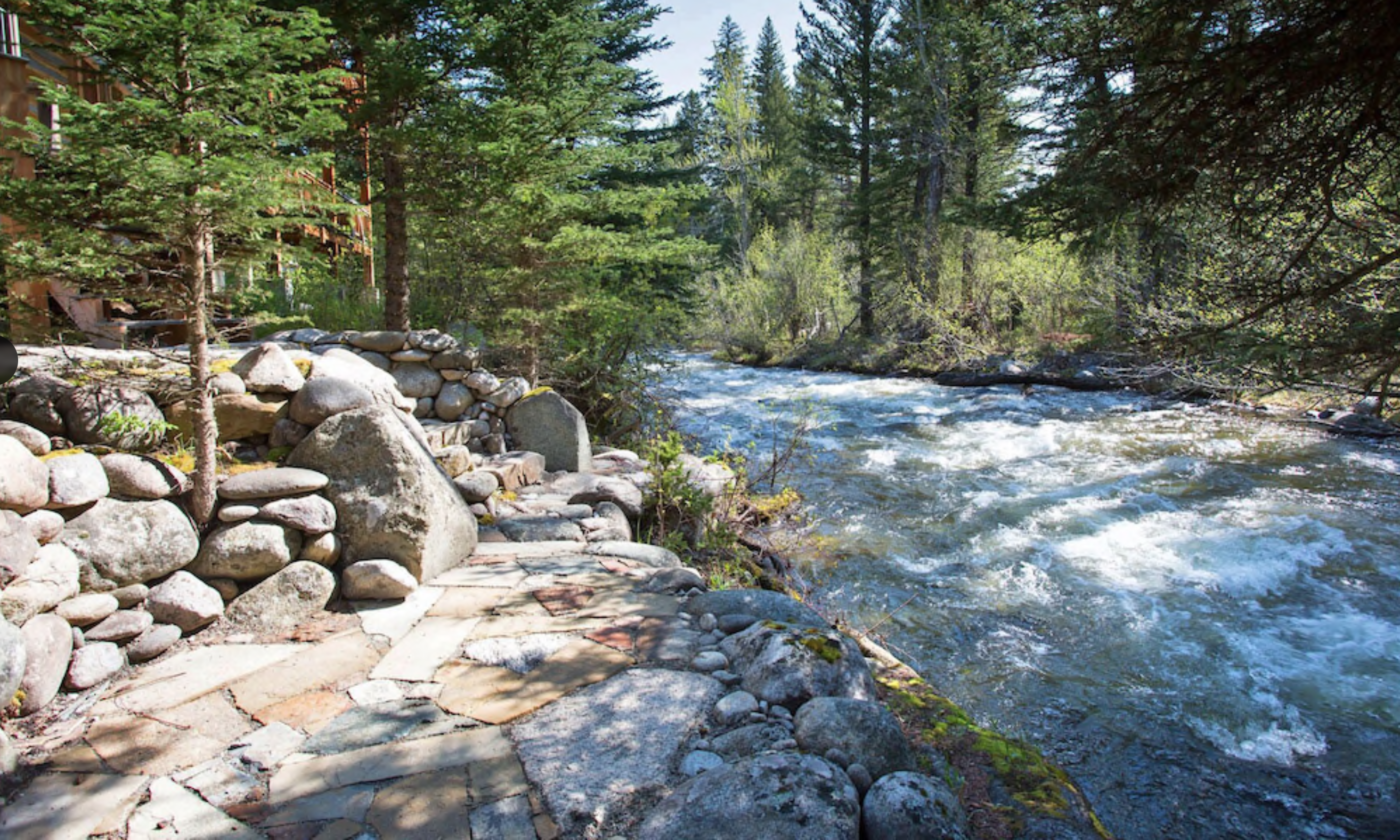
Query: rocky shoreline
[{"x": 406, "y": 597}]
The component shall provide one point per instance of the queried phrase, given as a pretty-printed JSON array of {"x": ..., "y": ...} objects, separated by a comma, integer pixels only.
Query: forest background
[{"x": 1211, "y": 184}]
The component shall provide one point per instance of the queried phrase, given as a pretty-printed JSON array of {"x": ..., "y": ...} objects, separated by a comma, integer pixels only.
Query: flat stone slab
[
  {"x": 309, "y": 712},
  {"x": 372, "y": 764},
  {"x": 591, "y": 753},
  {"x": 428, "y": 806},
  {"x": 368, "y": 726},
  {"x": 424, "y": 649},
  {"x": 521, "y": 625},
  {"x": 69, "y": 807},
  {"x": 394, "y": 620},
  {"x": 351, "y": 803},
  {"x": 192, "y": 674},
  {"x": 172, "y": 739},
  {"x": 506, "y": 574},
  {"x": 309, "y": 669},
  {"x": 525, "y": 551},
  {"x": 504, "y": 819},
  {"x": 467, "y": 602},
  {"x": 175, "y": 814},
  {"x": 498, "y": 695},
  {"x": 562, "y": 564}
]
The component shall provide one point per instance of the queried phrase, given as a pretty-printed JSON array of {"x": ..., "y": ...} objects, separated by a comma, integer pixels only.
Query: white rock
[{"x": 377, "y": 580}]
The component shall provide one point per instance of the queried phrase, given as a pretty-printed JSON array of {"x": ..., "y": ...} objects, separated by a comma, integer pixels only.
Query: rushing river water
[{"x": 1197, "y": 614}]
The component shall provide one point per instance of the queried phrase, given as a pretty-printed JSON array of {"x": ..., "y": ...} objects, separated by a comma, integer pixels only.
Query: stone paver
[
  {"x": 195, "y": 673},
  {"x": 172, "y": 739},
  {"x": 351, "y": 803},
  {"x": 511, "y": 695},
  {"x": 505, "y": 819},
  {"x": 429, "y": 806},
  {"x": 68, "y": 807},
  {"x": 466, "y": 602},
  {"x": 375, "y": 691},
  {"x": 394, "y": 620},
  {"x": 423, "y": 650},
  {"x": 174, "y": 812},
  {"x": 505, "y": 574},
  {"x": 308, "y": 712},
  {"x": 406, "y": 758},
  {"x": 310, "y": 668}
]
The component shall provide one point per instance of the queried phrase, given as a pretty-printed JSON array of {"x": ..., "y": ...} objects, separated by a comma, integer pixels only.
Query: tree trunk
[
  {"x": 867, "y": 107},
  {"x": 206, "y": 430},
  {"x": 395, "y": 241},
  {"x": 970, "y": 178}
]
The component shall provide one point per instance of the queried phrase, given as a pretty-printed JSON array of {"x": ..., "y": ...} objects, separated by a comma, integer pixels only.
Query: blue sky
[{"x": 693, "y": 24}]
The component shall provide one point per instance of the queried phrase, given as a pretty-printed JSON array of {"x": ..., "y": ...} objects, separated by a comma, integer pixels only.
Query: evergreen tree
[
  {"x": 196, "y": 167},
  {"x": 734, "y": 154},
  {"x": 775, "y": 128},
  {"x": 842, "y": 41}
]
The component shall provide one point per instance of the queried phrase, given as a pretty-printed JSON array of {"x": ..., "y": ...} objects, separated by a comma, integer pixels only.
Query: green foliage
[
  {"x": 677, "y": 511},
  {"x": 265, "y": 323},
  {"x": 149, "y": 432}
]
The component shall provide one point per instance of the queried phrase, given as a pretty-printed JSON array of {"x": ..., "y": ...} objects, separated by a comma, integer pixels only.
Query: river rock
[
  {"x": 413, "y": 355},
  {"x": 342, "y": 364},
  {"x": 546, "y": 423},
  {"x": 539, "y": 529},
  {"x": 455, "y": 460},
  {"x": 269, "y": 370},
  {"x": 227, "y": 588},
  {"x": 286, "y": 599},
  {"x": 222, "y": 384},
  {"x": 140, "y": 477},
  {"x": 24, "y": 479},
  {"x": 392, "y": 501},
  {"x": 864, "y": 730},
  {"x": 458, "y": 358},
  {"x": 287, "y": 432},
  {"x": 87, "y": 609},
  {"x": 619, "y": 491},
  {"x": 85, "y": 409},
  {"x": 48, "y": 644},
  {"x": 14, "y": 660},
  {"x": 120, "y": 626},
  {"x": 775, "y": 796},
  {"x": 272, "y": 484},
  {"x": 698, "y": 762},
  {"x": 434, "y": 341},
  {"x": 238, "y": 416},
  {"x": 735, "y": 706},
  {"x": 416, "y": 380},
  {"x": 673, "y": 580},
  {"x": 131, "y": 595},
  {"x": 510, "y": 391},
  {"x": 380, "y": 341},
  {"x": 236, "y": 512},
  {"x": 35, "y": 441},
  {"x": 185, "y": 601},
  {"x": 157, "y": 639},
  {"x": 130, "y": 542},
  {"x": 608, "y": 524},
  {"x": 788, "y": 665},
  {"x": 246, "y": 551},
  {"x": 648, "y": 555},
  {"x": 311, "y": 515},
  {"x": 44, "y": 526},
  {"x": 76, "y": 480},
  {"x": 482, "y": 382},
  {"x": 323, "y": 549},
  {"x": 424, "y": 408},
  {"x": 377, "y": 580},
  {"x": 773, "y": 606},
  {"x": 326, "y": 397},
  {"x": 92, "y": 664},
  {"x": 912, "y": 806},
  {"x": 50, "y": 579},
  {"x": 453, "y": 400},
  {"x": 34, "y": 410},
  {"x": 17, "y": 545},
  {"x": 749, "y": 740}
]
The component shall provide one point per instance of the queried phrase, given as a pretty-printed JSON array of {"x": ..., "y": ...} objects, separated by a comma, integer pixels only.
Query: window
[{"x": 9, "y": 34}]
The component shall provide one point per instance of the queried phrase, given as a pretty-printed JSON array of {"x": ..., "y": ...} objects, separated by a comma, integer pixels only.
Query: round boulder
[
  {"x": 18, "y": 544},
  {"x": 88, "y": 413},
  {"x": 269, "y": 370},
  {"x": 76, "y": 480},
  {"x": 323, "y": 549},
  {"x": 24, "y": 479},
  {"x": 130, "y": 542},
  {"x": 48, "y": 642},
  {"x": 476, "y": 486},
  {"x": 789, "y": 665},
  {"x": 246, "y": 551},
  {"x": 380, "y": 341},
  {"x": 311, "y": 515},
  {"x": 416, "y": 380},
  {"x": 862, "y": 729},
  {"x": 140, "y": 477},
  {"x": 34, "y": 440},
  {"x": 93, "y": 663},
  {"x": 912, "y": 806},
  {"x": 377, "y": 580},
  {"x": 325, "y": 397},
  {"x": 776, "y": 796},
  {"x": 14, "y": 659},
  {"x": 184, "y": 601}
]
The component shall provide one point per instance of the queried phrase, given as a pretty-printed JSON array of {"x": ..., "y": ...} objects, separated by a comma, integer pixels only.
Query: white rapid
[{"x": 1197, "y": 614}]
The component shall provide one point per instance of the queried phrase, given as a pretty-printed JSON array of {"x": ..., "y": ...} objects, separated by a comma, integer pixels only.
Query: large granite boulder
[
  {"x": 338, "y": 363},
  {"x": 51, "y": 579},
  {"x": 86, "y": 412},
  {"x": 130, "y": 542},
  {"x": 545, "y": 422},
  {"x": 246, "y": 551},
  {"x": 912, "y": 806},
  {"x": 284, "y": 600},
  {"x": 862, "y": 729},
  {"x": 24, "y": 479},
  {"x": 774, "y": 796},
  {"x": 17, "y": 546},
  {"x": 326, "y": 397},
  {"x": 392, "y": 500},
  {"x": 788, "y": 665}
]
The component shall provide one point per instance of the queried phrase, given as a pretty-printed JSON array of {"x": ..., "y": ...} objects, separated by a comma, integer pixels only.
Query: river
[{"x": 1195, "y": 613}]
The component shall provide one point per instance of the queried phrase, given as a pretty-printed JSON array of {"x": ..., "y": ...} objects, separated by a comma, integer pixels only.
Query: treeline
[{"x": 1213, "y": 183}]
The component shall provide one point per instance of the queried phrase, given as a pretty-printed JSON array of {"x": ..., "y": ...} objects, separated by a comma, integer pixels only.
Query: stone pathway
[{"x": 463, "y": 711}]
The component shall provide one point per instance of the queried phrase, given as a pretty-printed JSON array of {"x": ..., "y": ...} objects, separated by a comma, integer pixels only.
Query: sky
[{"x": 693, "y": 24}]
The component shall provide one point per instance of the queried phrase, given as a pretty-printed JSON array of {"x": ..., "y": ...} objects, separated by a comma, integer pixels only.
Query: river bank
[{"x": 1188, "y": 609}]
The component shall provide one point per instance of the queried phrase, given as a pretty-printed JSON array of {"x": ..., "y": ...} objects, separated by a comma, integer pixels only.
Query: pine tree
[
  {"x": 841, "y": 41},
  {"x": 776, "y": 128},
  {"x": 196, "y": 167}
]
